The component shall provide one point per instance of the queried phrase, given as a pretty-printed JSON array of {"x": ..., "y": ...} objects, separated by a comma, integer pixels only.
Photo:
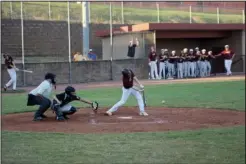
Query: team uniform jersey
[
  {"x": 186, "y": 57},
  {"x": 172, "y": 59},
  {"x": 227, "y": 54},
  {"x": 45, "y": 89},
  {"x": 65, "y": 99},
  {"x": 131, "y": 50},
  {"x": 163, "y": 57},
  {"x": 9, "y": 62},
  {"x": 203, "y": 57},
  {"x": 152, "y": 56},
  {"x": 180, "y": 59},
  {"x": 128, "y": 80}
]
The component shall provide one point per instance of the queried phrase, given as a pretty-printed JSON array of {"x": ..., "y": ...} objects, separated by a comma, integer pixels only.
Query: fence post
[
  {"x": 11, "y": 9},
  {"x": 111, "y": 38},
  {"x": 22, "y": 45},
  {"x": 190, "y": 15},
  {"x": 69, "y": 42},
  {"x": 49, "y": 11},
  {"x": 158, "y": 12},
  {"x": 122, "y": 12},
  {"x": 89, "y": 12},
  {"x": 218, "y": 15},
  {"x": 243, "y": 16}
]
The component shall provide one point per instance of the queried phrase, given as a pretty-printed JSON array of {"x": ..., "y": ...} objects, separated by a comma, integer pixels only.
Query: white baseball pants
[
  {"x": 153, "y": 70},
  {"x": 185, "y": 69},
  {"x": 180, "y": 70},
  {"x": 125, "y": 94},
  {"x": 228, "y": 66},
  {"x": 162, "y": 70},
  {"x": 208, "y": 68},
  {"x": 13, "y": 79},
  {"x": 202, "y": 68}
]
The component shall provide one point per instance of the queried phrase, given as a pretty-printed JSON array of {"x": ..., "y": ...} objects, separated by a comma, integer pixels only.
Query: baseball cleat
[
  {"x": 5, "y": 88},
  {"x": 143, "y": 114},
  {"x": 65, "y": 117},
  {"x": 37, "y": 118},
  {"x": 60, "y": 118},
  {"x": 43, "y": 116},
  {"x": 108, "y": 114}
]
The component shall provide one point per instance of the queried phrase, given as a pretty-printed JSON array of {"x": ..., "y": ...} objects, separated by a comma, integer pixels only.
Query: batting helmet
[
  {"x": 126, "y": 72},
  {"x": 69, "y": 90},
  {"x": 49, "y": 76}
]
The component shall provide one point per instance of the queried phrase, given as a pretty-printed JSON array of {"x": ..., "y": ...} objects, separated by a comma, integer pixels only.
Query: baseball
[{"x": 163, "y": 101}]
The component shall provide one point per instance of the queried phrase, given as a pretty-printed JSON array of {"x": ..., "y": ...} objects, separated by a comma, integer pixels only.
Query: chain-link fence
[{"x": 124, "y": 12}]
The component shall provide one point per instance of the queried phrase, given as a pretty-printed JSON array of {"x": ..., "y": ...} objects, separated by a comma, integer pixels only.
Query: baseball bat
[
  {"x": 25, "y": 70},
  {"x": 142, "y": 91}
]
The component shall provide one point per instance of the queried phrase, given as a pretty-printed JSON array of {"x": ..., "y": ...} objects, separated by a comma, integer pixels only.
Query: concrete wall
[
  {"x": 47, "y": 38},
  {"x": 86, "y": 71}
]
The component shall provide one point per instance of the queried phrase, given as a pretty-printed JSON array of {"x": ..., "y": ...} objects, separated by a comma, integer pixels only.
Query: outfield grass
[
  {"x": 100, "y": 13},
  {"x": 224, "y": 145},
  {"x": 224, "y": 95},
  {"x": 211, "y": 146}
]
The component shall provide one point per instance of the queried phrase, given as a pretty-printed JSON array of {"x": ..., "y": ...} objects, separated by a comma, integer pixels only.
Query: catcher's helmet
[{"x": 69, "y": 90}]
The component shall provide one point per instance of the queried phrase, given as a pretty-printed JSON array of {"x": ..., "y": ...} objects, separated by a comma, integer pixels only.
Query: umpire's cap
[
  {"x": 49, "y": 76},
  {"x": 69, "y": 90}
]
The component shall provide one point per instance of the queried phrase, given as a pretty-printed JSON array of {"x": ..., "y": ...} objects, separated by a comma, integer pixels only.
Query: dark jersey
[
  {"x": 163, "y": 57},
  {"x": 227, "y": 54},
  {"x": 128, "y": 80},
  {"x": 180, "y": 59},
  {"x": 190, "y": 57},
  {"x": 203, "y": 57},
  {"x": 65, "y": 98},
  {"x": 186, "y": 58},
  {"x": 9, "y": 62},
  {"x": 172, "y": 59},
  {"x": 152, "y": 56},
  {"x": 131, "y": 50}
]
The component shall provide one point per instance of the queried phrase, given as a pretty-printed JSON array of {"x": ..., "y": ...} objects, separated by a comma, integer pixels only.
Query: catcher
[{"x": 61, "y": 105}]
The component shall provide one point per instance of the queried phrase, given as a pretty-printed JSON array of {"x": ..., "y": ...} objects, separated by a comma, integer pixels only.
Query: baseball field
[{"x": 201, "y": 121}]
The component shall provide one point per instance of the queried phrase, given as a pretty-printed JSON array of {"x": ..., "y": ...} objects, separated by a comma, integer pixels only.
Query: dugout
[{"x": 176, "y": 36}]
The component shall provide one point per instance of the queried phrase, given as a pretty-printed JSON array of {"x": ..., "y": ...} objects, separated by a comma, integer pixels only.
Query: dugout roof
[{"x": 178, "y": 30}]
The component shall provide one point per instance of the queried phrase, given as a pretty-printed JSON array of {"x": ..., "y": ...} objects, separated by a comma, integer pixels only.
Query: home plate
[{"x": 129, "y": 117}]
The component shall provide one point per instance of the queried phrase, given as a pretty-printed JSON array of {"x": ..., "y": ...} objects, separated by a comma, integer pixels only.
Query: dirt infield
[{"x": 127, "y": 120}]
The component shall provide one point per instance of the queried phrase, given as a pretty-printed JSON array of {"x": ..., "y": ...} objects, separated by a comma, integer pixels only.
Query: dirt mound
[{"x": 126, "y": 119}]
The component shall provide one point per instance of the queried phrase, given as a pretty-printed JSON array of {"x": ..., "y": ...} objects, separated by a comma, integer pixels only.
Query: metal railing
[{"x": 123, "y": 12}]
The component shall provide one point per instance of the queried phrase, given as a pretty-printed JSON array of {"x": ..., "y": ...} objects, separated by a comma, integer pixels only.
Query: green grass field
[
  {"x": 132, "y": 15},
  {"x": 223, "y": 145}
]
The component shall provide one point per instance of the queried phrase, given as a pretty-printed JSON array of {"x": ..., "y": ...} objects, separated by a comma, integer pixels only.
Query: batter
[
  {"x": 128, "y": 78},
  {"x": 9, "y": 63}
]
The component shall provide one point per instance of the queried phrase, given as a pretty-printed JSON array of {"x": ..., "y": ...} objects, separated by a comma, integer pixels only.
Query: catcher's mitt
[{"x": 94, "y": 106}]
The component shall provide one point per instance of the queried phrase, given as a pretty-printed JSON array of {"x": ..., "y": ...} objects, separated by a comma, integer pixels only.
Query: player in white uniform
[
  {"x": 11, "y": 68},
  {"x": 40, "y": 96}
]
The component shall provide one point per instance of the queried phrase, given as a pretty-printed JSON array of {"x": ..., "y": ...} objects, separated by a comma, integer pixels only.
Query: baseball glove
[{"x": 94, "y": 106}]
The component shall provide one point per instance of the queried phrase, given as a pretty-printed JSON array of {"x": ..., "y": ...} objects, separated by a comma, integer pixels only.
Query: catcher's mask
[
  {"x": 70, "y": 90},
  {"x": 50, "y": 76}
]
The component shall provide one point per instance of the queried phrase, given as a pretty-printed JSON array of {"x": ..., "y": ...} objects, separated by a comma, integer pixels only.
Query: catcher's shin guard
[{"x": 56, "y": 108}]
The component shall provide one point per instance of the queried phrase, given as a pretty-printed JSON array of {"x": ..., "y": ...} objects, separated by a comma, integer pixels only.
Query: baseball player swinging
[
  {"x": 11, "y": 68},
  {"x": 128, "y": 78},
  {"x": 61, "y": 105}
]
